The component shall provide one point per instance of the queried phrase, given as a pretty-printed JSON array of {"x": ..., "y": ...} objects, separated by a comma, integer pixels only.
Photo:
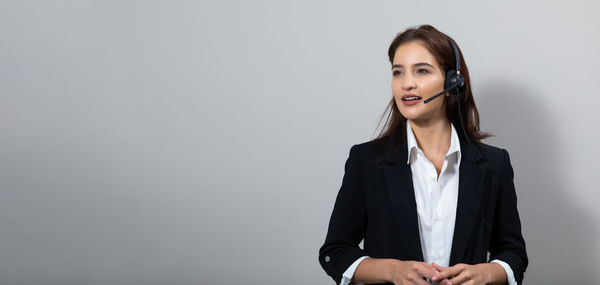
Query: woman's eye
[
  {"x": 422, "y": 71},
  {"x": 396, "y": 73}
]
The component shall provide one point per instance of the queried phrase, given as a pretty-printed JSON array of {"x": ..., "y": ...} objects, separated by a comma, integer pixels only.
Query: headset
[
  {"x": 453, "y": 83},
  {"x": 454, "y": 80}
]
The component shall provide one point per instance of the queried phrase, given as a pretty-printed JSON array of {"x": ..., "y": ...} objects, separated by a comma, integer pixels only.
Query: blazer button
[{"x": 327, "y": 258}]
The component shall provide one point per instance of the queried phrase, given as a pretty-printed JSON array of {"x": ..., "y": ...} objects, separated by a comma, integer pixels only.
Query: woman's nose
[{"x": 409, "y": 82}]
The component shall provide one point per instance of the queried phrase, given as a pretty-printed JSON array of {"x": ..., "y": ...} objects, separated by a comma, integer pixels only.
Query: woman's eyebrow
[{"x": 415, "y": 65}]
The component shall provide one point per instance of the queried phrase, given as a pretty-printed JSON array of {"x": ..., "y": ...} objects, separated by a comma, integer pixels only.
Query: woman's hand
[
  {"x": 477, "y": 274},
  {"x": 412, "y": 272}
]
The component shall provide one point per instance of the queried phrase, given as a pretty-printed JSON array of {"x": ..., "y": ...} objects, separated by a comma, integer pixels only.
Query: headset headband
[{"x": 456, "y": 56}]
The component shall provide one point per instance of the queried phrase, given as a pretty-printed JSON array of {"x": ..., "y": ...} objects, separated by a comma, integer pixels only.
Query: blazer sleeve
[
  {"x": 507, "y": 242},
  {"x": 348, "y": 221}
]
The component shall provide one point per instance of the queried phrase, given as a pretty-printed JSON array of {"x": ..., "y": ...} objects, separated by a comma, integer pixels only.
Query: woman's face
[{"x": 416, "y": 77}]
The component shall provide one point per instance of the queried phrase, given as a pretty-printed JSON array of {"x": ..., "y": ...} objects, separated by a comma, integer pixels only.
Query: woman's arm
[
  {"x": 348, "y": 221},
  {"x": 507, "y": 243}
]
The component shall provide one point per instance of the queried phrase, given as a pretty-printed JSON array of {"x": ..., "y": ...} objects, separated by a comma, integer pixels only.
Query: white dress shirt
[{"x": 436, "y": 200}]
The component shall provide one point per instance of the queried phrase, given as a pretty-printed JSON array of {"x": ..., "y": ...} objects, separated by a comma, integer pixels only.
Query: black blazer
[{"x": 376, "y": 203}]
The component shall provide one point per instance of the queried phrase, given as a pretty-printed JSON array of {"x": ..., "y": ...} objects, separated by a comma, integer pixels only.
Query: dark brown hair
[{"x": 437, "y": 44}]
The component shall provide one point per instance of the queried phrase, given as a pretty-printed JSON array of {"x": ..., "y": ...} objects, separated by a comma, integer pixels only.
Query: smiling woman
[
  {"x": 432, "y": 204},
  {"x": 415, "y": 69}
]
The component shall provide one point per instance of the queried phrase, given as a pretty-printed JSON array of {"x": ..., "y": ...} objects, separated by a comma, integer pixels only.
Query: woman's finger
[
  {"x": 438, "y": 267},
  {"x": 449, "y": 272},
  {"x": 421, "y": 282},
  {"x": 461, "y": 278},
  {"x": 425, "y": 270}
]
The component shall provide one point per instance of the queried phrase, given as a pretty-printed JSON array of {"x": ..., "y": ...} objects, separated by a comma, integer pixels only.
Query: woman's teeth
[{"x": 411, "y": 98}]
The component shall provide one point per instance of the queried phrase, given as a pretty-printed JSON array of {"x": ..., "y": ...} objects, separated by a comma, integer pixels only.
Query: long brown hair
[{"x": 437, "y": 44}]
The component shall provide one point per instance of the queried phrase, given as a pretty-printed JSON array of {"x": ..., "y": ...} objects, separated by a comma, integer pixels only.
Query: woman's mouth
[{"x": 410, "y": 99}]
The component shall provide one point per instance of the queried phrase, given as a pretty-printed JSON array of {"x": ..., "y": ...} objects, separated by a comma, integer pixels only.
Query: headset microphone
[{"x": 455, "y": 85}]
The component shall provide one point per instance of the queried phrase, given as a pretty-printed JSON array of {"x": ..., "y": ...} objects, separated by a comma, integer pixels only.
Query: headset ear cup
[{"x": 451, "y": 78}]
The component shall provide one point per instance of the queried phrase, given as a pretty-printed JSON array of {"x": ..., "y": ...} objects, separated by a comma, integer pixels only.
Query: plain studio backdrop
[{"x": 186, "y": 142}]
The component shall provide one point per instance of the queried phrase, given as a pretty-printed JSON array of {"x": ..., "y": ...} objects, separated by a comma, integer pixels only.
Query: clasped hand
[{"x": 414, "y": 272}]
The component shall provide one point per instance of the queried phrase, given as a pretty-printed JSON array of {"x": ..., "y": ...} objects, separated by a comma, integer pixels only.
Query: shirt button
[
  {"x": 327, "y": 258},
  {"x": 438, "y": 217},
  {"x": 436, "y": 256},
  {"x": 432, "y": 179}
]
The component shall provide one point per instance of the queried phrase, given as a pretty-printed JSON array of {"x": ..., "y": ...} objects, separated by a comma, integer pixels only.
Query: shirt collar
[{"x": 413, "y": 147}]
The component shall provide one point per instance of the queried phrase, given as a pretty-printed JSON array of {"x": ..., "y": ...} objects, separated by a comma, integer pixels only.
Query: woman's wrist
[
  {"x": 390, "y": 268},
  {"x": 375, "y": 270},
  {"x": 493, "y": 273}
]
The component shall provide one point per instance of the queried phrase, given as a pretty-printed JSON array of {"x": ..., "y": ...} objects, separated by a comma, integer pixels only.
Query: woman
[{"x": 430, "y": 200}]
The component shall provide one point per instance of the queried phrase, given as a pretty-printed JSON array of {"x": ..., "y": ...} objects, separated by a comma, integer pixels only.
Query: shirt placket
[{"x": 438, "y": 228}]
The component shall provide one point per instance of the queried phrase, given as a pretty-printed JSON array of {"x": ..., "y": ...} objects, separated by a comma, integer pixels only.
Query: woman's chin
[
  {"x": 420, "y": 114},
  {"x": 412, "y": 115}
]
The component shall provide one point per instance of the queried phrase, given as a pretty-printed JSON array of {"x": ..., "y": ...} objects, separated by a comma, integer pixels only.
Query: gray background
[{"x": 181, "y": 142}]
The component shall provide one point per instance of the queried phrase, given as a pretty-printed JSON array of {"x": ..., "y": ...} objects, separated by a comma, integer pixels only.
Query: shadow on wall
[{"x": 558, "y": 234}]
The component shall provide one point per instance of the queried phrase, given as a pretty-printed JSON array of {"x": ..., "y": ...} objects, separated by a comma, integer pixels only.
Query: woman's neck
[{"x": 433, "y": 136}]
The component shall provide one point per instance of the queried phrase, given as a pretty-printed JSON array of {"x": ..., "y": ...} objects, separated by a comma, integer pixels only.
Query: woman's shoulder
[
  {"x": 378, "y": 151},
  {"x": 494, "y": 155},
  {"x": 370, "y": 146}
]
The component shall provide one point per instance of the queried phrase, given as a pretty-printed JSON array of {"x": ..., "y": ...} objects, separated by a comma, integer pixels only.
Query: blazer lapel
[
  {"x": 398, "y": 179},
  {"x": 470, "y": 186}
]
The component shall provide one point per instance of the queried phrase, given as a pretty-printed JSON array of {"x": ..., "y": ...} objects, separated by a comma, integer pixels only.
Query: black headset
[
  {"x": 454, "y": 79},
  {"x": 453, "y": 83}
]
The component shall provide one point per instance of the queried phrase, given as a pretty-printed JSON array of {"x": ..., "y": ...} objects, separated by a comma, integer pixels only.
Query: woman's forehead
[{"x": 411, "y": 53}]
